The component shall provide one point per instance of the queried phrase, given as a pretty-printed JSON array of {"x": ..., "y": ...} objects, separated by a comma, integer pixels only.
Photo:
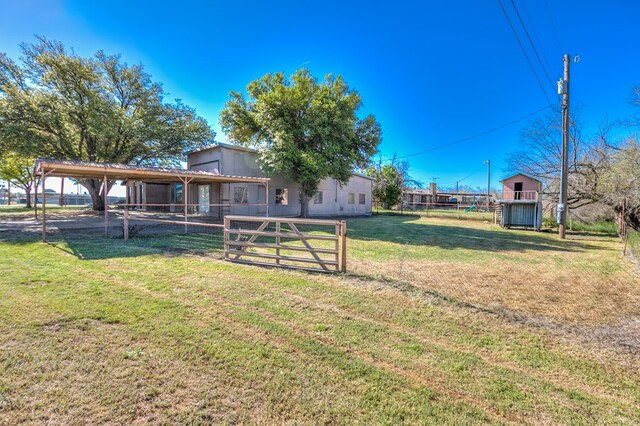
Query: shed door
[{"x": 522, "y": 215}]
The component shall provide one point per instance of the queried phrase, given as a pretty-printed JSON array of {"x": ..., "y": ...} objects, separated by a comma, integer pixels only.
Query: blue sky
[{"x": 433, "y": 72}]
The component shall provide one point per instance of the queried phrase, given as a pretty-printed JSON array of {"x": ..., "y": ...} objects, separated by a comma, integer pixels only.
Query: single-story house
[{"x": 283, "y": 197}]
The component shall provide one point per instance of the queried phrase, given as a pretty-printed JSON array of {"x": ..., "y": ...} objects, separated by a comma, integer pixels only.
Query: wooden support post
[
  {"x": 267, "y": 197},
  {"x": 343, "y": 246},
  {"x": 226, "y": 237},
  {"x": 62, "y": 192},
  {"x": 105, "y": 193},
  {"x": 337, "y": 246},
  {"x": 125, "y": 229},
  {"x": 44, "y": 202},
  {"x": 277, "y": 241},
  {"x": 185, "y": 192}
]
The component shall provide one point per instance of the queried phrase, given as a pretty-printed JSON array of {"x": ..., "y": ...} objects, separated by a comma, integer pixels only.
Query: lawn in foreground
[{"x": 138, "y": 335}]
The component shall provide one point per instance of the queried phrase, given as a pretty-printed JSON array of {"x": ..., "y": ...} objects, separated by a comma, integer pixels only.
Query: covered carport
[{"x": 131, "y": 175}]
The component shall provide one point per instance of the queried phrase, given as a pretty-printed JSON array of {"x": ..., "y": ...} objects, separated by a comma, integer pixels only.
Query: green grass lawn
[
  {"x": 98, "y": 331},
  {"x": 20, "y": 211}
]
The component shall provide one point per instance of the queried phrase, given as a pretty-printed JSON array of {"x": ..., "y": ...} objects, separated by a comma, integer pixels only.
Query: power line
[
  {"x": 464, "y": 178},
  {"x": 535, "y": 34},
  {"x": 471, "y": 174},
  {"x": 515, "y": 33},
  {"x": 532, "y": 44},
  {"x": 553, "y": 25},
  {"x": 477, "y": 135}
]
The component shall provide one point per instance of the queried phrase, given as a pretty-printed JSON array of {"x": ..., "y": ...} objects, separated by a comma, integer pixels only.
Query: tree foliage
[
  {"x": 19, "y": 169},
  {"x": 55, "y": 103},
  {"x": 603, "y": 169},
  {"x": 391, "y": 181},
  {"x": 304, "y": 129},
  {"x": 388, "y": 186}
]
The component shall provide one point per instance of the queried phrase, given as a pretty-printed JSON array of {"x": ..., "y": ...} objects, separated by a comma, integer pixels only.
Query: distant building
[{"x": 418, "y": 198}]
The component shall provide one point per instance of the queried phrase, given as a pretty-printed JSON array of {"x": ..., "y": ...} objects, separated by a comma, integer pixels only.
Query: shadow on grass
[
  {"x": 406, "y": 229},
  {"x": 90, "y": 244},
  {"x": 168, "y": 243}
]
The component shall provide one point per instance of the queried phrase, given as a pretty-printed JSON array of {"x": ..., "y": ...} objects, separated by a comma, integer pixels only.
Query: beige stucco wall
[{"x": 243, "y": 163}]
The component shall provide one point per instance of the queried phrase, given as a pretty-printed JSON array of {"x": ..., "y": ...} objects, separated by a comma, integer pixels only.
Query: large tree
[
  {"x": 58, "y": 104},
  {"x": 19, "y": 170},
  {"x": 604, "y": 170},
  {"x": 304, "y": 129}
]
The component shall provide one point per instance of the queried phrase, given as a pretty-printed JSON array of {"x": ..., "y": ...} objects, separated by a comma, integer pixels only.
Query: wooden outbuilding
[{"x": 521, "y": 203}]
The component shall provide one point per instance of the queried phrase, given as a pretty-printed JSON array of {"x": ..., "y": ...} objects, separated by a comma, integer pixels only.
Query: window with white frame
[
  {"x": 282, "y": 196},
  {"x": 317, "y": 197},
  {"x": 240, "y": 195},
  {"x": 362, "y": 199},
  {"x": 352, "y": 198}
]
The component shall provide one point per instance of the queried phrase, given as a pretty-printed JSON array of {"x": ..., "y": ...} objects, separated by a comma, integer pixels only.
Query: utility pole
[
  {"x": 488, "y": 163},
  {"x": 563, "y": 89}
]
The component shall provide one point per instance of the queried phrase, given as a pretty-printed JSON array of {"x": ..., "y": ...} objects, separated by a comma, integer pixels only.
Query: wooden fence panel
[{"x": 257, "y": 244}]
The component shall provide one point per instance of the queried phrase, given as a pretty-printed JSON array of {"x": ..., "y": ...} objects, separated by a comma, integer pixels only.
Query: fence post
[
  {"x": 343, "y": 246},
  {"x": 277, "y": 241},
  {"x": 225, "y": 234},
  {"x": 125, "y": 230}
]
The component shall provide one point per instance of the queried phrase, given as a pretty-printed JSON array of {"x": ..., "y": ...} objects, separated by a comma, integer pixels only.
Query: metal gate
[{"x": 321, "y": 245}]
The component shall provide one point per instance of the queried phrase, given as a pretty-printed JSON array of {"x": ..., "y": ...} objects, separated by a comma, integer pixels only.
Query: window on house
[
  {"x": 282, "y": 196},
  {"x": 362, "y": 199},
  {"x": 240, "y": 195},
  {"x": 352, "y": 198},
  {"x": 317, "y": 197},
  {"x": 178, "y": 193}
]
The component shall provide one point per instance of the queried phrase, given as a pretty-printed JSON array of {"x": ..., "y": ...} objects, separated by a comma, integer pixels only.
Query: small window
[
  {"x": 362, "y": 199},
  {"x": 317, "y": 197},
  {"x": 241, "y": 195},
  {"x": 282, "y": 196},
  {"x": 352, "y": 198},
  {"x": 178, "y": 193}
]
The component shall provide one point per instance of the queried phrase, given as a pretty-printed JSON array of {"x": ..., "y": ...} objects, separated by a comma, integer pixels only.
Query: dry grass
[{"x": 583, "y": 280}]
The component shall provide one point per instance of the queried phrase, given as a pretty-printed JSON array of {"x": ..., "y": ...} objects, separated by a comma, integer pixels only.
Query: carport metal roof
[
  {"x": 45, "y": 167},
  {"x": 90, "y": 170}
]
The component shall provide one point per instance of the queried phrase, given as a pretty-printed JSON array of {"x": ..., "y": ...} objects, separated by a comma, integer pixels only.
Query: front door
[{"x": 203, "y": 198}]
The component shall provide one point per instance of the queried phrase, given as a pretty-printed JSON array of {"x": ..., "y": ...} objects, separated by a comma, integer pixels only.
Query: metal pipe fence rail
[
  {"x": 268, "y": 241},
  {"x": 185, "y": 214}
]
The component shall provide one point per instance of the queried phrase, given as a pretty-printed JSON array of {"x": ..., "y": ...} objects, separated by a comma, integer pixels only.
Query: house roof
[
  {"x": 362, "y": 175},
  {"x": 219, "y": 145},
  {"x": 520, "y": 174},
  {"x": 93, "y": 170}
]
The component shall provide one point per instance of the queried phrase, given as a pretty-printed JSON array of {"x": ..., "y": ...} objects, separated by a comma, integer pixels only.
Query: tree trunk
[
  {"x": 94, "y": 187},
  {"x": 304, "y": 205},
  {"x": 27, "y": 191}
]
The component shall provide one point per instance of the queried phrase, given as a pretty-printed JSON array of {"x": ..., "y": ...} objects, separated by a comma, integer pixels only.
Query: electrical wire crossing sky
[{"x": 452, "y": 83}]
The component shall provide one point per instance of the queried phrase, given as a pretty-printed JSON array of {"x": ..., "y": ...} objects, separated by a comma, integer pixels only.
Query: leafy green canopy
[
  {"x": 18, "y": 169},
  {"x": 58, "y": 104},
  {"x": 304, "y": 129},
  {"x": 388, "y": 185}
]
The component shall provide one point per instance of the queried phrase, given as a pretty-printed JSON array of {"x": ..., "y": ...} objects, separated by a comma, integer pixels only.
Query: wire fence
[{"x": 531, "y": 276}]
